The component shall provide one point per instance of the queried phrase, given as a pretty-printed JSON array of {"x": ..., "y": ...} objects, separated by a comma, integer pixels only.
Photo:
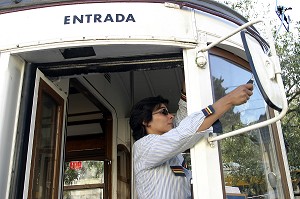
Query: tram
[{"x": 70, "y": 72}]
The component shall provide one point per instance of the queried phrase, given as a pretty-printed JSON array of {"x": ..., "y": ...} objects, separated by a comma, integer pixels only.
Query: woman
[{"x": 161, "y": 138}]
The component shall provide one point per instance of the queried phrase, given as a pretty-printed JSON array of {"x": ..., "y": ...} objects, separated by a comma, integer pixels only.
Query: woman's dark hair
[{"x": 142, "y": 112}]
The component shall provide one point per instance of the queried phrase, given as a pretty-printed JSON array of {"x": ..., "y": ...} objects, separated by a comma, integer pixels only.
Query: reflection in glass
[{"x": 249, "y": 160}]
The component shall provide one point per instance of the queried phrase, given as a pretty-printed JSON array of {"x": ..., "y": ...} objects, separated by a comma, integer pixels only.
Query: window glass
[
  {"x": 84, "y": 179},
  {"x": 84, "y": 194},
  {"x": 249, "y": 160},
  {"x": 46, "y": 138}
]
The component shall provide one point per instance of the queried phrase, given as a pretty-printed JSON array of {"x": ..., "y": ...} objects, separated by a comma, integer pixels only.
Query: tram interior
[{"x": 102, "y": 85}]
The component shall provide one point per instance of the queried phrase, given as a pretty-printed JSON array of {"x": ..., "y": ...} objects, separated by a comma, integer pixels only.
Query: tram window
[
  {"x": 248, "y": 159},
  {"x": 84, "y": 179}
]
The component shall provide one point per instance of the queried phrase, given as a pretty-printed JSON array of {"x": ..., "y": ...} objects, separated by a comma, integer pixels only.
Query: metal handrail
[{"x": 250, "y": 23}]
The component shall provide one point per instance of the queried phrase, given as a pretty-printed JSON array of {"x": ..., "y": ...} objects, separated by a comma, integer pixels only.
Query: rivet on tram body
[{"x": 201, "y": 60}]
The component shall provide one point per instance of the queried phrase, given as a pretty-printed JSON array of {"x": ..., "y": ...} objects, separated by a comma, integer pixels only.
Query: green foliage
[
  {"x": 90, "y": 169},
  {"x": 288, "y": 48},
  {"x": 70, "y": 175}
]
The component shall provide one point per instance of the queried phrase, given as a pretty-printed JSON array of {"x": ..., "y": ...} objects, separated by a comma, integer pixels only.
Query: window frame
[
  {"x": 275, "y": 131},
  {"x": 45, "y": 88}
]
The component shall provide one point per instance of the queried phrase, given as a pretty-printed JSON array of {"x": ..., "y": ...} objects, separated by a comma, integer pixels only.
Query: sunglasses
[{"x": 163, "y": 111}]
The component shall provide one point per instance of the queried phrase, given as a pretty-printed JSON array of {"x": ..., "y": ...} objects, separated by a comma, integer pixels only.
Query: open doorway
[
  {"x": 100, "y": 94},
  {"x": 87, "y": 166}
]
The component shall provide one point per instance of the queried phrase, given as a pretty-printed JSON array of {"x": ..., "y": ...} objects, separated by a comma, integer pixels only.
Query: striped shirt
[{"x": 154, "y": 154}]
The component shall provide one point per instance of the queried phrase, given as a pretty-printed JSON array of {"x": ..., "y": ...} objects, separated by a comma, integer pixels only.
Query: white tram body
[{"x": 95, "y": 59}]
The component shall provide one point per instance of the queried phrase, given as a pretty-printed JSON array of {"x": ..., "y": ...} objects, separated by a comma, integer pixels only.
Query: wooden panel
[{"x": 85, "y": 142}]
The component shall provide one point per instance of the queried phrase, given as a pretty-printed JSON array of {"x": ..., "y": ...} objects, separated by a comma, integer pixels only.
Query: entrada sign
[{"x": 98, "y": 18}]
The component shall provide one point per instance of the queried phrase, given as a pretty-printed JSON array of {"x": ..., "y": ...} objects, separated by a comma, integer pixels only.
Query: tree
[{"x": 288, "y": 48}]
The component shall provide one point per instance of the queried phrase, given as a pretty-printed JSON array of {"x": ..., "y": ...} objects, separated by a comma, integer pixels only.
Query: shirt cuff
[{"x": 209, "y": 110}]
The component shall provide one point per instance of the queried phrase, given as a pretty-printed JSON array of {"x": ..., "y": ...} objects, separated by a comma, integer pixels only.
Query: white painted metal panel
[
  {"x": 216, "y": 27},
  {"x": 95, "y": 21},
  {"x": 11, "y": 76}
]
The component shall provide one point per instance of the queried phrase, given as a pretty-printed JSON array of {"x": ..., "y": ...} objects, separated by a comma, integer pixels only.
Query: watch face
[{"x": 263, "y": 69}]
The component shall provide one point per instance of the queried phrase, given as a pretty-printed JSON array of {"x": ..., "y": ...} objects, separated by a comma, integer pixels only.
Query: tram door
[{"x": 46, "y": 140}]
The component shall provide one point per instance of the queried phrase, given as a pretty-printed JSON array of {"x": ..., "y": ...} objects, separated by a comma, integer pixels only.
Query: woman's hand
[{"x": 238, "y": 96}]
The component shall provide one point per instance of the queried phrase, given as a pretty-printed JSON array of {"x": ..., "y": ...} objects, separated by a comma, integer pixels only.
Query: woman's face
[{"x": 162, "y": 121}]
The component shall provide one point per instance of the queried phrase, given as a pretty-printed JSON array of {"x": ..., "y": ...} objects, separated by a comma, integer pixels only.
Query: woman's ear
[{"x": 145, "y": 124}]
